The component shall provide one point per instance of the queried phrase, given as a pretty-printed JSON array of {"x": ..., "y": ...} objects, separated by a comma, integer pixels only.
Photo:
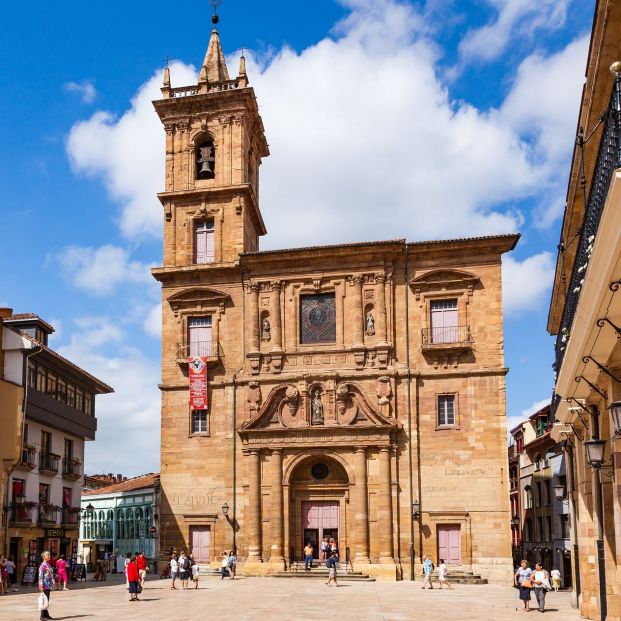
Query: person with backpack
[
  {"x": 427, "y": 571},
  {"x": 232, "y": 564},
  {"x": 184, "y": 570},
  {"x": 331, "y": 565},
  {"x": 224, "y": 565},
  {"x": 324, "y": 549}
]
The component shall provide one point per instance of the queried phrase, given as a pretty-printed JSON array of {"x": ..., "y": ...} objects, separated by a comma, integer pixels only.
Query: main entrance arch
[{"x": 318, "y": 488}]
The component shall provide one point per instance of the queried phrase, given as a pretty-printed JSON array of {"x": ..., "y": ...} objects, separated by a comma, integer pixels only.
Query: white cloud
[
  {"x": 58, "y": 330},
  {"x": 85, "y": 89},
  {"x": 128, "y": 419},
  {"x": 101, "y": 270},
  {"x": 152, "y": 323},
  {"x": 550, "y": 125},
  {"x": 365, "y": 140},
  {"x": 513, "y": 421},
  {"x": 525, "y": 284},
  {"x": 127, "y": 154},
  {"x": 516, "y": 19}
]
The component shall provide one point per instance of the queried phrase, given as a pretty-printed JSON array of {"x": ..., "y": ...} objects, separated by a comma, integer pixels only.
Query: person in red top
[
  {"x": 141, "y": 562},
  {"x": 133, "y": 579}
]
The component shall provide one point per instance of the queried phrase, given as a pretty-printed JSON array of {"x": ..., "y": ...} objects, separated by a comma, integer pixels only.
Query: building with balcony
[
  {"x": 540, "y": 517},
  {"x": 121, "y": 518},
  {"x": 354, "y": 391},
  {"x": 585, "y": 316},
  {"x": 42, "y": 509}
]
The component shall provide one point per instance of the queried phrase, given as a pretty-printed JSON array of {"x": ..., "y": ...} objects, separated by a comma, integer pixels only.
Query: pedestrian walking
[
  {"x": 46, "y": 581},
  {"x": 10, "y": 571},
  {"x": 331, "y": 565},
  {"x": 184, "y": 569},
  {"x": 133, "y": 579},
  {"x": 61, "y": 568},
  {"x": 141, "y": 563},
  {"x": 308, "y": 556},
  {"x": 174, "y": 568},
  {"x": 522, "y": 580},
  {"x": 427, "y": 571},
  {"x": 541, "y": 585},
  {"x": 442, "y": 573},
  {"x": 325, "y": 546},
  {"x": 334, "y": 548},
  {"x": 224, "y": 565},
  {"x": 556, "y": 579},
  {"x": 4, "y": 576},
  {"x": 125, "y": 564},
  {"x": 233, "y": 564},
  {"x": 195, "y": 572}
]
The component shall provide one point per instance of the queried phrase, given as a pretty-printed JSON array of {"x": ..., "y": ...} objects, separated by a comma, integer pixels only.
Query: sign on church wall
[{"x": 198, "y": 382}]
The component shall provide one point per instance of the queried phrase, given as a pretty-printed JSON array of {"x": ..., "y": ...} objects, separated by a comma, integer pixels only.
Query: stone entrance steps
[
  {"x": 461, "y": 577},
  {"x": 320, "y": 572}
]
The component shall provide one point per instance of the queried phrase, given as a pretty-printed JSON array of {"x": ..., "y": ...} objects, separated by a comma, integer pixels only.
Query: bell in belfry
[{"x": 205, "y": 161}]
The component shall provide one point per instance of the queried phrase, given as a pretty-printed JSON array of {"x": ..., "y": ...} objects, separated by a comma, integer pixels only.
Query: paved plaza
[{"x": 246, "y": 599}]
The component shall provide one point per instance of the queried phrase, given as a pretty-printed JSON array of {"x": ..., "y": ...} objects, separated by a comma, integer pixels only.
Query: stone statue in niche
[
  {"x": 266, "y": 330},
  {"x": 370, "y": 324},
  {"x": 316, "y": 409}
]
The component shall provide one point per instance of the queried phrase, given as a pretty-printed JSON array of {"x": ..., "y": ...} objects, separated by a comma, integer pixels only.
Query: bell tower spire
[{"x": 215, "y": 142}]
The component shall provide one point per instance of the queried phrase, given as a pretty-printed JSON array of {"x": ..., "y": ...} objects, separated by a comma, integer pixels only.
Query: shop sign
[
  {"x": 198, "y": 382},
  {"x": 55, "y": 532}
]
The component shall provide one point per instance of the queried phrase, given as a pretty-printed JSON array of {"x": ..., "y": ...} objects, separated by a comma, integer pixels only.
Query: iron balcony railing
[
  {"x": 449, "y": 335},
  {"x": 21, "y": 512},
  {"x": 210, "y": 349},
  {"x": 608, "y": 160},
  {"x": 71, "y": 469},
  {"x": 48, "y": 462}
]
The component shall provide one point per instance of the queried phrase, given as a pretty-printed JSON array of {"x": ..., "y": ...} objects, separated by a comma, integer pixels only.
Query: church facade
[{"x": 355, "y": 391}]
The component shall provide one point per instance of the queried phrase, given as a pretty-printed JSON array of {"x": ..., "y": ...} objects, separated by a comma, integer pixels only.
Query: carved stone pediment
[
  {"x": 444, "y": 277},
  {"x": 289, "y": 407},
  {"x": 199, "y": 297}
]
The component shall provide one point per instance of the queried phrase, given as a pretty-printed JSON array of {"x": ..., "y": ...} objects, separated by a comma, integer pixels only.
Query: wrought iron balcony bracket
[
  {"x": 603, "y": 320},
  {"x": 585, "y": 422},
  {"x": 601, "y": 392},
  {"x": 614, "y": 285},
  {"x": 601, "y": 367}
]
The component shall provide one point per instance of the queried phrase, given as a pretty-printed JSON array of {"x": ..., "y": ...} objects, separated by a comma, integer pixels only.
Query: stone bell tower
[{"x": 214, "y": 145}]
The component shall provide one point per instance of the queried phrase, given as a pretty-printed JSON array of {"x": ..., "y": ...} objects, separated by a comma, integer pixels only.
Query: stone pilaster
[
  {"x": 253, "y": 316},
  {"x": 384, "y": 513},
  {"x": 276, "y": 327},
  {"x": 360, "y": 501},
  {"x": 254, "y": 507},
  {"x": 380, "y": 320},
  {"x": 355, "y": 283},
  {"x": 276, "y": 513}
]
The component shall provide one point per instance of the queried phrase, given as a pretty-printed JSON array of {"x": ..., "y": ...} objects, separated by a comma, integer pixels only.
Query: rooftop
[{"x": 139, "y": 482}]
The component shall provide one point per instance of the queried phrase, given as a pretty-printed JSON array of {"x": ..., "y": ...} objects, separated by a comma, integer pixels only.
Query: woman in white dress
[{"x": 442, "y": 573}]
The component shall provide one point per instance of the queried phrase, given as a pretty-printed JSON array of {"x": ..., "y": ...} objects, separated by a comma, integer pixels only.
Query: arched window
[
  {"x": 131, "y": 533},
  {"x": 139, "y": 523},
  {"x": 205, "y": 159},
  {"x": 120, "y": 524},
  {"x": 528, "y": 497},
  {"x": 528, "y": 530},
  {"x": 109, "y": 524}
]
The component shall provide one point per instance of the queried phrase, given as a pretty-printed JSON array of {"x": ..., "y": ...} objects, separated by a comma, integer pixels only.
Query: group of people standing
[
  {"x": 135, "y": 574},
  {"x": 537, "y": 580},
  {"x": 329, "y": 553}
]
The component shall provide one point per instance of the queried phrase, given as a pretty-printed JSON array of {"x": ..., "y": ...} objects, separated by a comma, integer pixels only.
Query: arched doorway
[{"x": 317, "y": 487}]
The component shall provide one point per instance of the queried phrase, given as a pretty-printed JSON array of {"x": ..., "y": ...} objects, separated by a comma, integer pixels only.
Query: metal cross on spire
[{"x": 215, "y": 4}]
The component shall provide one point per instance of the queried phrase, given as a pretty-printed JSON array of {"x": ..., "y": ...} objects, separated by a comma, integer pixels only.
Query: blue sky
[{"x": 385, "y": 119}]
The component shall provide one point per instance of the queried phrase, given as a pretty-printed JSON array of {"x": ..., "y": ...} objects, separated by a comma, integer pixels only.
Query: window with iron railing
[{"x": 199, "y": 336}]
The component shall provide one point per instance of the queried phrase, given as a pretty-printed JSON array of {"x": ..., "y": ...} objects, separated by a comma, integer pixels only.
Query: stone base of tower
[
  {"x": 496, "y": 570},
  {"x": 255, "y": 568},
  {"x": 381, "y": 571}
]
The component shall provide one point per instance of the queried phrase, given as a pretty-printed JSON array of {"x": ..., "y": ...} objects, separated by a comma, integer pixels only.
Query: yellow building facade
[
  {"x": 356, "y": 391},
  {"x": 585, "y": 315}
]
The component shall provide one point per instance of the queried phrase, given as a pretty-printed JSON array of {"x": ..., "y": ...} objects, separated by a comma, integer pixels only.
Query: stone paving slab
[{"x": 253, "y": 599}]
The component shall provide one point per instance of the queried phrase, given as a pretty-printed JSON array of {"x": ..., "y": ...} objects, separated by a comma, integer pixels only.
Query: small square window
[
  {"x": 446, "y": 410},
  {"x": 200, "y": 422}
]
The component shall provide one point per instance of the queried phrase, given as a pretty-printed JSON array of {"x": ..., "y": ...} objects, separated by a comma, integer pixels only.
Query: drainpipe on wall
[
  {"x": 409, "y": 387},
  {"x": 32, "y": 352}
]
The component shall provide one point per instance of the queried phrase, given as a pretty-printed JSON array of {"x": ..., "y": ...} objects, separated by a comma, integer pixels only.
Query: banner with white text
[{"x": 198, "y": 382}]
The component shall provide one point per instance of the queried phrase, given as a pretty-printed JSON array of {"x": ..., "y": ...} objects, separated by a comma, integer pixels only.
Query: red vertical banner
[{"x": 198, "y": 382}]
